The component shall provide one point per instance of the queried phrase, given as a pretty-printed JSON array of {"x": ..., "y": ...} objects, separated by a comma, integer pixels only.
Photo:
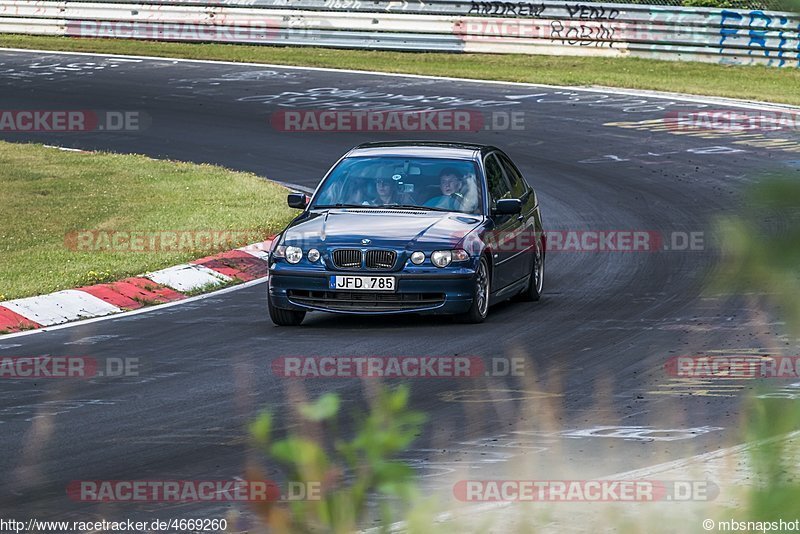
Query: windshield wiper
[
  {"x": 410, "y": 206},
  {"x": 340, "y": 205}
]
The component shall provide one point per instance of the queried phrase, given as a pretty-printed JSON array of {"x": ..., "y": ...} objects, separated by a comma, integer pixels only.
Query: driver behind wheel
[{"x": 451, "y": 182}]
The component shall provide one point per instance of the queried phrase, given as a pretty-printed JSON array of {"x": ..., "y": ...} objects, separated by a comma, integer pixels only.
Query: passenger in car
[
  {"x": 358, "y": 194},
  {"x": 387, "y": 192}
]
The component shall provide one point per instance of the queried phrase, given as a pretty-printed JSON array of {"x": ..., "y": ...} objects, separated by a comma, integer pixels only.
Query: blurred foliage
[
  {"x": 775, "y": 493},
  {"x": 350, "y": 471},
  {"x": 733, "y": 4},
  {"x": 761, "y": 247}
]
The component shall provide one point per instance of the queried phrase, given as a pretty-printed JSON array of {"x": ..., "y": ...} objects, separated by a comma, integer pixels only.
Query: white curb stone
[
  {"x": 259, "y": 250},
  {"x": 60, "y": 307},
  {"x": 187, "y": 277}
]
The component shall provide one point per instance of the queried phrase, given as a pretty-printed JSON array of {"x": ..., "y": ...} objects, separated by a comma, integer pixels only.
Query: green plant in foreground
[
  {"x": 762, "y": 247},
  {"x": 762, "y": 256},
  {"x": 348, "y": 471},
  {"x": 776, "y": 492}
]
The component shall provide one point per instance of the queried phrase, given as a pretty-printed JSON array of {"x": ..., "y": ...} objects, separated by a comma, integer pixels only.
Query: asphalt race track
[{"x": 593, "y": 349}]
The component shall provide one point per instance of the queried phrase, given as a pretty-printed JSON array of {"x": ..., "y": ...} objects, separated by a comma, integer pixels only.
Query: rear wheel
[
  {"x": 282, "y": 317},
  {"x": 480, "y": 302},
  {"x": 533, "y": 291}
]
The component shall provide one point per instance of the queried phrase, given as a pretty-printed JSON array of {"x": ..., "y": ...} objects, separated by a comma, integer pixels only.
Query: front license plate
[{"x": 362, "y": 283}]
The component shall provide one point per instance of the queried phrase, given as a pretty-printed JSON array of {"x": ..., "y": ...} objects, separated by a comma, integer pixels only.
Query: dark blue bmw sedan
[{"x": 410, "y": 227}]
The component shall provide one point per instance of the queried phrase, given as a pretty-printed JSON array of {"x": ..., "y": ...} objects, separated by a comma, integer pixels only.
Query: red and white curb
[{"x": 243, "y": 264}]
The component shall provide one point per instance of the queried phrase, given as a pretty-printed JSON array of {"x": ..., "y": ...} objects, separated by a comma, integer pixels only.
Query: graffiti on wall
[
  {"x": 588, "y": 25},
  {"x": 773, "y": 36},
  {"x": 506, "y": 9}
]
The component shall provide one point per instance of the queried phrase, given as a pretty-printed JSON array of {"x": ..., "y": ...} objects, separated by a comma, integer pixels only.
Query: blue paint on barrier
[
  {"x": 756, "y": 25},
  {"x": 727, "y": 32},
  {"x": 781, "y": 42},
  {"x": 798, "y": 46},
  {"x": 758, "y": 37}
]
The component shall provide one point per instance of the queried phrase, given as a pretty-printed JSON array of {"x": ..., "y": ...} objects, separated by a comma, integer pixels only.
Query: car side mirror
[
  {"x": 507, "y": 206},
  {"x": 297, "y": 200}
]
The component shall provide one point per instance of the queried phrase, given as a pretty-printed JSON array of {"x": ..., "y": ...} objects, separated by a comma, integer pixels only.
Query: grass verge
[
  {"x": 50, "y": 194},
  {"x": 748, "y": 82}
]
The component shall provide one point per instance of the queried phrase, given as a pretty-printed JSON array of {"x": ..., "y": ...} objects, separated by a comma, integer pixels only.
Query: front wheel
[
  {"x": 533, "y": 291},
  {"x": 480, "y": 302},
  {"x": 282, "y": 317}
]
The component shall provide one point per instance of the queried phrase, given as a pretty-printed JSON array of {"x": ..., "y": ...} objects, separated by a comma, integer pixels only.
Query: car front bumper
[{"x": 449, "y": 291}]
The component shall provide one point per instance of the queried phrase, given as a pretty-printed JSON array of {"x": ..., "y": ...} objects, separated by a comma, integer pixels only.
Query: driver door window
[
  {"x": 518, "y": 186},
  {"x": 495, "y": 180}
]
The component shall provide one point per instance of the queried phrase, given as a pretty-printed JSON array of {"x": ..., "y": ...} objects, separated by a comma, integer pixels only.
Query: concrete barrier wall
[{"x": 558, "y": 28}]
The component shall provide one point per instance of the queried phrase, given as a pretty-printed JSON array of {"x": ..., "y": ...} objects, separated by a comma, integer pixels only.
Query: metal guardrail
[{"x": 547, "y": 27}]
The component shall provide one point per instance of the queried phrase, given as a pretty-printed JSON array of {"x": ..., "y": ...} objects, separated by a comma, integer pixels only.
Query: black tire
[
  {"x": 480, "y": 303},
  {"x": 282, "y": 317},
  {"x": 533, "y": 291}
]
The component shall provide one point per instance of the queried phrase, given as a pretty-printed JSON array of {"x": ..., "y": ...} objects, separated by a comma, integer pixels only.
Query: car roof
[{"x": 430, "y": 149}]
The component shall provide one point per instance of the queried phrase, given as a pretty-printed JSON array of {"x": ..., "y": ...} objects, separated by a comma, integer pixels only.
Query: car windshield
[{"x": 427, "y": 183}]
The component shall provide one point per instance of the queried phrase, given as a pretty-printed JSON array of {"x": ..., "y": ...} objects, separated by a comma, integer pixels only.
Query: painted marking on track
[
  {"x": 522, "y": 97},
  {"x": 756, "y": 139},
  {"x": 713, "y": 386},
  {"x": 658, "y": 158},
  {"x": 698, "y": 387},
  {"x": 625, "y": 103},
  {"x": 91, "y": 340},
  {"x": 641, "y": 433},
  {"x": 493, "y": 395},
  {"x": 660, "y": 95}
]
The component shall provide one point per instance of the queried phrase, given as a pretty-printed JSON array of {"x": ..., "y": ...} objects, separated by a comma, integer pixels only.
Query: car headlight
[
  {"x": 313, "y": 255},
  {"x": 293, "y": 254},
  {"x": 441, "y": 258},
  {"x": 279, "y": 252},
  {"x": 460, "y": 254},
  {"x": 417, "y": 257}
]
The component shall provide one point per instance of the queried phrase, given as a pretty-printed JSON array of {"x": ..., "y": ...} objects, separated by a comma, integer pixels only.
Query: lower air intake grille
[{"x": 365, "y": 300}]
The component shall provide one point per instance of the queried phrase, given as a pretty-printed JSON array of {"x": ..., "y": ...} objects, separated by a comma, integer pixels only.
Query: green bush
[{"x": 350, "y": 471}]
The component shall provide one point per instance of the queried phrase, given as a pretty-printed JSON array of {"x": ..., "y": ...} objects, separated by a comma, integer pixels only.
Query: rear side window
[{"x": 498, "y": 187}]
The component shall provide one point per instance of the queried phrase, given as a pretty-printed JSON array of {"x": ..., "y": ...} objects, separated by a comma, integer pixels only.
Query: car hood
[{"x": 403, "y": 229}]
